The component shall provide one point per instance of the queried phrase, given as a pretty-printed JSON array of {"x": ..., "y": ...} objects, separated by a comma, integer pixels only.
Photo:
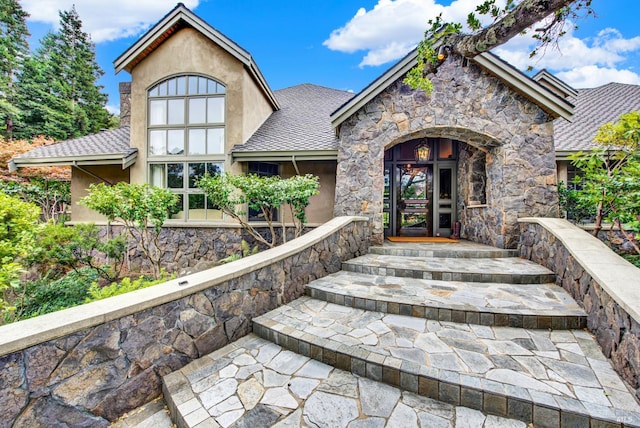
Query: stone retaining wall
[
  {"x": 88, "y": 365},
  {"x": 605, "y": 285},
  {"x": 195, "y": 248}
]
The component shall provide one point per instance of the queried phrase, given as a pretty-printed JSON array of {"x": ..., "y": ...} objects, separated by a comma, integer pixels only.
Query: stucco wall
[
  {"x": 469, "y": 105},
  {"x": 188, "y": 51},
  {"x": 320, "y": 207},
  {"x": 80, "y": 182}
]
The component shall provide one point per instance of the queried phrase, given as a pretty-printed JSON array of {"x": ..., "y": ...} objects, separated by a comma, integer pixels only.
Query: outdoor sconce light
[
  {"x": 423, "y": 152},
  {"x": 442, "y": 53}
]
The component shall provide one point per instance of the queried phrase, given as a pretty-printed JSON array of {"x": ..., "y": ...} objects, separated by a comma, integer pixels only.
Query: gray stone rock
[
  {"x": 340, "y": 383},
  {"x": 376, "y": 398},
  {"x": 260, "y": 416},
  {"x": 218, "y": 393},
  {"x": 403, "y": 416},
  {"x": 46, "y": 412},
  {"x": 250, "y": 393},
  {"x": 328, "y": 410}
]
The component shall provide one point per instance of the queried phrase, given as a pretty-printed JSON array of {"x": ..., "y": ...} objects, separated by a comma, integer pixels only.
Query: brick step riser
[
  {"x": 409, "y": 378},
  {"x": 491, "y": 319},
  {"x": 451, "y": 276}
]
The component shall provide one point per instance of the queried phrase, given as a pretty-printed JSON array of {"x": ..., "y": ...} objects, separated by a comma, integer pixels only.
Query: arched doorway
[{"x": 420, "y": 188}]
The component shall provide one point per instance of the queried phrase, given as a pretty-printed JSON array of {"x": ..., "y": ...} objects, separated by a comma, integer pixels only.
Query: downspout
[{"x": 295, "y": 165}]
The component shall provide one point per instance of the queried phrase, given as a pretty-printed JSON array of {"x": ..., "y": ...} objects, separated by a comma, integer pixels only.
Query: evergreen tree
[
  {"x": 14, "y": 48},
  {"x": 71, "y": 103}
]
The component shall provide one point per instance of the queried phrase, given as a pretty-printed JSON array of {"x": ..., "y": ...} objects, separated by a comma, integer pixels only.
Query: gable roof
[
  {"x": 181, "y": 17},
  {"x": 554, "y": 84},
  {"x": 594, "y": 107},
  {"x": 301, "y": 128},
  {"x": 547, "y": 100},
  {"x": 110, "y": 147}
]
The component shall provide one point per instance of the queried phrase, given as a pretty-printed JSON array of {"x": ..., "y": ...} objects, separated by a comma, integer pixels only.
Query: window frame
[{"x": 161, "y": 91}]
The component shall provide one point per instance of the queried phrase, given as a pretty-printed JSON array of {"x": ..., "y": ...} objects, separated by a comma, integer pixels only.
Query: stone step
[
  {"x": 460, "y": 249},
  {"x": 502, "y": 270},
  {"x": 255, "y": 383},
  {"x": 548, "y": 378},
  {"x": 515, "y": 305}
]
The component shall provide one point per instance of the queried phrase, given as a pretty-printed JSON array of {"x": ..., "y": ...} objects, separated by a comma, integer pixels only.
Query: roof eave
[
  {"x": 181, "y": 13},
  {"x": 548, "y": 101},
  {"x": 374, "y": 88},
  {"x": 125, "y": 160},
  {"x": 284, "y": 155}
]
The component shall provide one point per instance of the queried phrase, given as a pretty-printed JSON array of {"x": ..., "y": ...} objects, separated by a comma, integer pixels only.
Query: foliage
[
  {"x": 573, "y": 205},
  {"x": 14, "y": 48},
  {"x": 57, "y": 89},
  {"x": 126, "y": 285},
  {"x": 44, "y": 295},
  {"x": 140, "y": 208},
  {"x": 51, "y": 196},
  {"x": 610, "y": 179},
  {"x": 18, "y": 227},
  {"x": 505, "y": 22},
  {"x": 62, "y": 249},
  {"x": 13, "y": 148},
  {"x": 245, "y": 251},
  {"x": 231, "y": 193},
  {"x": 634, "y": 259}
]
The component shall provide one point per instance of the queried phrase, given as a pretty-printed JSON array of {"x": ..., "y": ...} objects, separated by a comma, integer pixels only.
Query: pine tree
[
  {"x": 14, "y": 48},
  {"x": 71, "y": 104}
]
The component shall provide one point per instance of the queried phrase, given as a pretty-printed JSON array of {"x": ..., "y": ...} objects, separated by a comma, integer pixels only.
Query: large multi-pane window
[{"x": 186, "y": 136}]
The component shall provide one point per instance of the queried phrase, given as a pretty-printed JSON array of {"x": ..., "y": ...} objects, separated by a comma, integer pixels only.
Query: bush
[
  {"x": 44, "y": 296},
  {"x": 126, "y": 285}
]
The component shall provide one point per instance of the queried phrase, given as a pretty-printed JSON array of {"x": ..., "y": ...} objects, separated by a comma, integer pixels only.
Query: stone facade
[
  {"x": 469, "y": 105},
  {"x": 89, "y": 377},
  {"x": 616, "y": 331}
]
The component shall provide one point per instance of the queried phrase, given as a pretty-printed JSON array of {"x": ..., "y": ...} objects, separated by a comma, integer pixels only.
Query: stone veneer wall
[
  {"x": 605, "y": 285},
  {"x": 88, "y": 365},
  {"x": 469, "y": 105}
]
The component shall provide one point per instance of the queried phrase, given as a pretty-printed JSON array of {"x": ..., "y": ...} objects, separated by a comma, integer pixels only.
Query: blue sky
[{"x": 345, "y": 44}]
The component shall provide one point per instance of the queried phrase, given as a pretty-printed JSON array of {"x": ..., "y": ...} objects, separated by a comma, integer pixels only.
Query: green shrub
[
  {"x": 44, "y": 296},
  {"x": 97, "y": 292}
]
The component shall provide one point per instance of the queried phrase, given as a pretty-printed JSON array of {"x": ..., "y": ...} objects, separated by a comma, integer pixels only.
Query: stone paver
[
  {"x": 478, "y": 366},
  {"x": 511, "y": 270},
  {"x": 518, "y": 305},
  {"x": 460, "y": 249},
  {"x": 313, "y": 395}
]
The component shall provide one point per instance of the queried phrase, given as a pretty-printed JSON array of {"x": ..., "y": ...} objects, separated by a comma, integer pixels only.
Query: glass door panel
[
  {"x": 445, "y": 204},
  {"x": 415, "y": 201}
]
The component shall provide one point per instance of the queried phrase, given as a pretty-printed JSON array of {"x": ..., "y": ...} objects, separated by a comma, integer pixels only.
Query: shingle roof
[
  {"x": 110, "y": 146},
  {"x": 301, "y": 124},
  {"x": 594, "y": 107}
]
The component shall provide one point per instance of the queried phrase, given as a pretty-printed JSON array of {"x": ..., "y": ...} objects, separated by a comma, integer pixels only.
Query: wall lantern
[{"x": 423, "y": 152}]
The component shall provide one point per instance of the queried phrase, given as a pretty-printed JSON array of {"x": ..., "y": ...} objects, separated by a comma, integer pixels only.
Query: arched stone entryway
[{"x": 498, "y": 129}]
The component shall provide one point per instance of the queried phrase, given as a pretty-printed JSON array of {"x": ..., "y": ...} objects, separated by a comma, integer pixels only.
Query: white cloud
[
  {"x": 114, "y": 110},
  {"x": 393, "y": 27},
  {"x": 582, "y": 63},
  {"x": 592, "y": 76},
  {"x": 105, "y": 20}
]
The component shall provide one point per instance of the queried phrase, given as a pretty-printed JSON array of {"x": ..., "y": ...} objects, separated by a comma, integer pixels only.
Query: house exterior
[{"x": 479, "y": 150}]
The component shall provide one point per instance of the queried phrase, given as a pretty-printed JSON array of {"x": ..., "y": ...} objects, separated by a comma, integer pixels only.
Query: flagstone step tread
[
  {"x": 505, "y": 270},
  {"x": 514, "y": 305},
  {"x": 532, "y": 375},
  {"x": 461, "y": 249},
  {"x": 255, "y": 383}
]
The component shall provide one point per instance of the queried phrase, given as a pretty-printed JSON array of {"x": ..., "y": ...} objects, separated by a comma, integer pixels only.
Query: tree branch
[{"x": 524, "y": 15}]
